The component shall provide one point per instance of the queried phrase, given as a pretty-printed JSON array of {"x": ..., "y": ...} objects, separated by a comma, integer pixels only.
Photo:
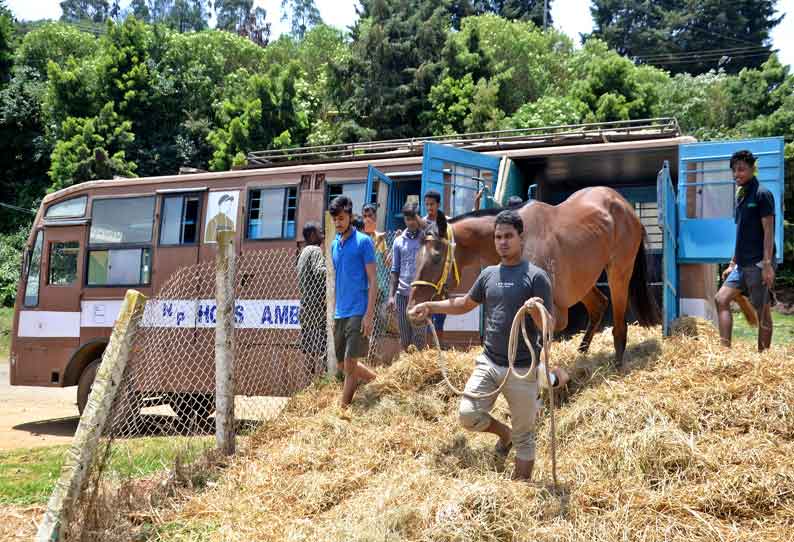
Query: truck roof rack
[{"x": 545, "y": 136}]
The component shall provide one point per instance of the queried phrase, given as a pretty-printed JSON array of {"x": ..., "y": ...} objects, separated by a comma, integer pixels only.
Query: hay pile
[{"x": 687, "y": 443}]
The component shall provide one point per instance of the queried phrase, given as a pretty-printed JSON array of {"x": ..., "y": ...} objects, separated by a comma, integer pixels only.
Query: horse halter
[{"x": 449, "y": 264}]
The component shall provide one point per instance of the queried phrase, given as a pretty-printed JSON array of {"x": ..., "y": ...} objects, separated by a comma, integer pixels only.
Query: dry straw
[{"x": 688, "y": 442}]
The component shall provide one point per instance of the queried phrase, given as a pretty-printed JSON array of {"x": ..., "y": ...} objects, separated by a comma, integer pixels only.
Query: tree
[
  {"x": 258, "y": 112},
  {"x": 6, "y": 45},
  {"x": 688, "y": 35},
  {"x": 92, "y": 148},
  {"x": 231, "y": 14},
  {"x": 75, "y": 11},
  {"x": 548, "y": 111},
  {"x": 302, "y": 15},
  {"x": 180, "y": 15},
  {"x": 611, "y": 86},
  {"x": 524, "y": 10},
  {"x": 241, "y": 17},
  {"x": 395, "y": 58},
  {"x": 526, "y": 62}
]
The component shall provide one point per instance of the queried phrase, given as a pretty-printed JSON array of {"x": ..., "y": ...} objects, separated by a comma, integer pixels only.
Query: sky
[{"x": 570, "y": 16}]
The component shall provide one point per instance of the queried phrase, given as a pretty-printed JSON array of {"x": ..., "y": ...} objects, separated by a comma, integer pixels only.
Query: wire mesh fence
[{"x": 162, "y": 424}]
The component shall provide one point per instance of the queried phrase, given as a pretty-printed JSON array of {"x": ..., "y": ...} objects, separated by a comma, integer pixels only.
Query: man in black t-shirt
[
  {"x": 502, "y": 290},
  {"x": 752, "y": 268}
]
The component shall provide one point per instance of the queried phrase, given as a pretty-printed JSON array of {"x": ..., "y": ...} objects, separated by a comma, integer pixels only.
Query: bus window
[
  {"x": 122, "y": 220},
  {"x": 63, "y": 263},
  {"x": 116, "y": 224},
  {"x": 119, "y": 267},
  {"x": 71, "y": 208},
  {"x": 356, "y": 191},
  {"x": 34, "y": 274},
  {"x": 266, "y": 223},
  {"x": 180, "y": 221}
]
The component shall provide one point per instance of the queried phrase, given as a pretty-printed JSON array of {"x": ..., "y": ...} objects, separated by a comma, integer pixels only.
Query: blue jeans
[{"x": 438, "y": 321}]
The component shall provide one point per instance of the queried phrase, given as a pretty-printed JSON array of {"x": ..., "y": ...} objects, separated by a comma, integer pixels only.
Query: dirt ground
[{"x": 33, "y": 416}]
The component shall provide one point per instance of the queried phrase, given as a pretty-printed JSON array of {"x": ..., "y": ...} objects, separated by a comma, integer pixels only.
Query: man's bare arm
[{"x": 454, "y": 306}]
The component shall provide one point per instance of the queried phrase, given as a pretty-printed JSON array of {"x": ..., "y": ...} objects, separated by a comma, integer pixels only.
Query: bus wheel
[
  {"x": 193, "y": 408},
  {"x": 85, "y": 383},
  {"x": 127, "y": 408}
]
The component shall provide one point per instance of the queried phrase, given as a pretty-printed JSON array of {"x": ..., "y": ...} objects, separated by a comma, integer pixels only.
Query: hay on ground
[{"x": 687, "y": 442}]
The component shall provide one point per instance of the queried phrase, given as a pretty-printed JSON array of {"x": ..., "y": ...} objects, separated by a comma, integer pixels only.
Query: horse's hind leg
[
  {"x": 596, "y": 304},
  {"x": 619, "y": 278}
]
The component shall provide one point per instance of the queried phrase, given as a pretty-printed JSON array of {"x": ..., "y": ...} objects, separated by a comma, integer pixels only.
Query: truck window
[
  {"x": 34, "y": 274},
  {"x": 71, "y": 208},
  {"x": 180, "y": 221},
  {"x": 264, "y": 219},
  {"x": 119, "y": 252},
  {"x": 63, "y": 263},
  {"x": 710, "y": 190}
]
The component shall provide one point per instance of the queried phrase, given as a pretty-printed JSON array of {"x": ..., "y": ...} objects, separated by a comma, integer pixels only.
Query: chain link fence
[{"x": 161, "y": 429}]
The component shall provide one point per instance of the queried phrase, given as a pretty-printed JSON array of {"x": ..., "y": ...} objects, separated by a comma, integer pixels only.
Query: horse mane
[{"x": 493, "y": 211}]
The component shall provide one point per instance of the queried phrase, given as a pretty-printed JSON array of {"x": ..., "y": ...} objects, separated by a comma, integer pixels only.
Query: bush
[{"x": 11, "y": 246}]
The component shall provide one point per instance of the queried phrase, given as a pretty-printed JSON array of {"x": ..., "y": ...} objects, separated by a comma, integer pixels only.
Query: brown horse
[{"x": 593, "y": 230}]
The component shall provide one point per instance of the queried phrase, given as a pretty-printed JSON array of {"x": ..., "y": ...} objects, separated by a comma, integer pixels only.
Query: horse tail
[
  {"x": 748, "y": 310},
  {"x": 642, "y": 299}
]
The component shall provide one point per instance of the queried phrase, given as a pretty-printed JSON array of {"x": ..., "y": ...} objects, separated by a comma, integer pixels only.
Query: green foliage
[
  {"x": 548, "y": 111},
  {"x": 678, "y": 34},
  {"x": 92, "y": 148},
  {"x": 258, "y": 112},
  {"x": 525, "y": 10},
  {"x": 611, "y": 86},
  {"x": 54, "y": 42},
  {"x": 6, "y": 43},
  {"x": 527, "y": 62},
  {"x": 11, "y": 247},
  {"x": 75, "y": 11},
  {"x": 395, "y": 58}
]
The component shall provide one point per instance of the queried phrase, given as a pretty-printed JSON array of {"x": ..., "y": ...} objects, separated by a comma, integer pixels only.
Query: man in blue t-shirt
[
  {"x": 353, "y": 256},
  {"x": 502, "y": 290},
  {"x": 752, "y": 268}
]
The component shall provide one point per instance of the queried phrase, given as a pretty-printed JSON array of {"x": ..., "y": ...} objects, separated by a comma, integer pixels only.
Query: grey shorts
[
  {"x": 349, "y": 342},
  {"x": 747, "y": 279}
]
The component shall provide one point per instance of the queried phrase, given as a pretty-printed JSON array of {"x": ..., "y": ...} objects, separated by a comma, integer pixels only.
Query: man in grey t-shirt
[{"x": 503, "y": 289}]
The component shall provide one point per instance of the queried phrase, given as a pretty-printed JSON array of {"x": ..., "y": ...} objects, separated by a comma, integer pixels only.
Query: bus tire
[
  {"x": 127, "y": 409},
  {"x": 85, "y": 383}
]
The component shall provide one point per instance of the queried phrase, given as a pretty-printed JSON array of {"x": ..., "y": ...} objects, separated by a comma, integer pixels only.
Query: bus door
[{"x": 48, "y": 330}]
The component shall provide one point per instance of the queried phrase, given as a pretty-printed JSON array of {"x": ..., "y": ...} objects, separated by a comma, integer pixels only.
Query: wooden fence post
[
  {"x": 224, "y": 342},
  {"x": 97, "y": 414},
  {"x": 330, "y": 292}
]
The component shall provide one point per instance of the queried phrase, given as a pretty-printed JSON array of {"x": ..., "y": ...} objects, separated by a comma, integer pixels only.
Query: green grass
[
  {"x": 6, "y": 317},
  {"x": 782, "y": 334},
  {"x": 27, "y": 476}
]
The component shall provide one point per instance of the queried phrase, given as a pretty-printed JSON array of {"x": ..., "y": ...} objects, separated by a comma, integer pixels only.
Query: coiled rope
[{"x": 519, "y": 322}]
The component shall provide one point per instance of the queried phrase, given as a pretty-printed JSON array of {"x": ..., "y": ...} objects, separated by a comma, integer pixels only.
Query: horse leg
[
  {"x": 596, "y": 304},
  {"x": 619, "y": 292},
  {"x": 560, "y": 318}
]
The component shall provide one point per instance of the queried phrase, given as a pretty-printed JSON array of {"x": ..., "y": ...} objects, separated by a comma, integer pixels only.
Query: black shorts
[
  {"x": 747, "y": 279},
  {"x": 349, "y": 342}
]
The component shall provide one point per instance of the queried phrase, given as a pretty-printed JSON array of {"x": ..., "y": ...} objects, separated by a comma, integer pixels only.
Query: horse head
[{"x": 433, "y": 263}]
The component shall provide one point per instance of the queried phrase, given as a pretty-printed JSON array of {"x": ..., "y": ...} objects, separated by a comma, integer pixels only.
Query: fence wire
[{"x": 160, "y": 433}]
